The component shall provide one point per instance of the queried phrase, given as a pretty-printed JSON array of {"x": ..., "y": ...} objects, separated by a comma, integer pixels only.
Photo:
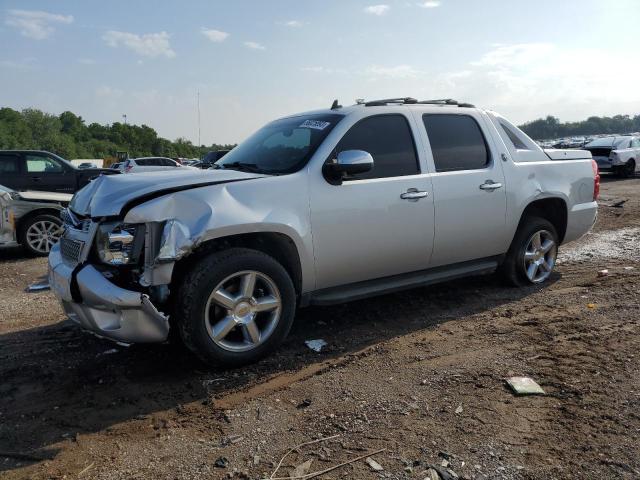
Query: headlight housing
[{"x": 119, "y": 244}]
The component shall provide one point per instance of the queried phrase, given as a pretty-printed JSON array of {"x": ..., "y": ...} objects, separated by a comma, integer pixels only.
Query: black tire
[
  {"x": 196, "y": 288},
  {"x": 629, "y": 170},
  {"x": 512, "y": 269},
  {"x": 32, "y": 223}
]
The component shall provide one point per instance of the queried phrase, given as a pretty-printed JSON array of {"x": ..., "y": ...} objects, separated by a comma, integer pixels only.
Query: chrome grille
[
  {"x": 71, "y": 249},
  {"x": 70, "y": 220}
]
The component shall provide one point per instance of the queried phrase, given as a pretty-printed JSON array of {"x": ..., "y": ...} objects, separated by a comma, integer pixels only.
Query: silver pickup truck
[{"x": 314, "y": 209}]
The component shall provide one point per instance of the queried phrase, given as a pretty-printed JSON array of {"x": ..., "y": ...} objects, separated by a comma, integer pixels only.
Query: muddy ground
[{"x": 419, "y": 374}]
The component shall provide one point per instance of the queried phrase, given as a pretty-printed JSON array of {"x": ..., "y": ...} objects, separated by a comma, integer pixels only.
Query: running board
[{"x": 380, "y": 286}]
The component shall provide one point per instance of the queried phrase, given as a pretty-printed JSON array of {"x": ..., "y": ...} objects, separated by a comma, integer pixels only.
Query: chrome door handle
[
  {"x": 490, "y": 185},
  {"x": 414, "y": 194}
]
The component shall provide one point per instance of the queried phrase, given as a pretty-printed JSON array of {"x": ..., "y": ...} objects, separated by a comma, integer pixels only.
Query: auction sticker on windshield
[{"x": 315, "y": 124}]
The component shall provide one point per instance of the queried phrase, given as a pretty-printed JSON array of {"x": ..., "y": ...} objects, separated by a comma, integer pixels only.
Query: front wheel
[
  {"x": 235, "y": 307},
  {"x": 39, "y": 233},
  {"x": 629, "y": 169},
  {"x": 532, "y": 255}
]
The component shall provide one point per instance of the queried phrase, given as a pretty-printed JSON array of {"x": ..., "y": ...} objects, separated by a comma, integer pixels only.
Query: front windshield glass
[{"x": 282, "y": 146}]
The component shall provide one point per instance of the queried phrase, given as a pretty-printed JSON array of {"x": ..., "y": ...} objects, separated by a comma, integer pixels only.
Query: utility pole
[
  {"x": 125, "y": 118},
  {"x": 199, "y": 118}
]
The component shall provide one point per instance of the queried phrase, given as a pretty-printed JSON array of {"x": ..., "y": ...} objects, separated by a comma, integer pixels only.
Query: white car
[
  {"x": 150, "y": 164},
  {"x": 618, "y": 154}
]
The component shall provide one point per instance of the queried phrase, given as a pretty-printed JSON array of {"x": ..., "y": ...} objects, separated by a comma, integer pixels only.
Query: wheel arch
[
  {"x": 553, "y": 209},
  {"x": 275, "y": 244},
  {"x": 20, "y": 222}
]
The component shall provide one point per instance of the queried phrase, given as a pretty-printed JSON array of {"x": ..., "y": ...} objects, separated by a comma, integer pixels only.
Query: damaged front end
[{"x": 112, "y": 278}]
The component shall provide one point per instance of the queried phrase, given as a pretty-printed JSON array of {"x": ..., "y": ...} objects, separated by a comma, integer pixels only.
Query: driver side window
[
  {"x": 389, "y": 140},
  {"x": 42, "y": 164}
]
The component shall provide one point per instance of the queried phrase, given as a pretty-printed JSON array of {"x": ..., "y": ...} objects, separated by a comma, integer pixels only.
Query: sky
[{"x": 255, "y": 60}]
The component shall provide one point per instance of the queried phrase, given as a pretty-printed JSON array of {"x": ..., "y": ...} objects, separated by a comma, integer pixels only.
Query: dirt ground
[{"x": 419, "y": 374}]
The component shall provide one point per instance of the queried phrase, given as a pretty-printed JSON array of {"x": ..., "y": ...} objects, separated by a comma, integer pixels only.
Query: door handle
[
  {"x": 413, "y": 194},
  {"x": 490, "y": 185}
]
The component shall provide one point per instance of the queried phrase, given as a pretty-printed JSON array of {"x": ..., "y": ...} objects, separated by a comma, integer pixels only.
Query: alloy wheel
[
  {"x": 242, "y": 311},
  {"x": 43, "y": 235},
  {"x": 540, "y": 256}
]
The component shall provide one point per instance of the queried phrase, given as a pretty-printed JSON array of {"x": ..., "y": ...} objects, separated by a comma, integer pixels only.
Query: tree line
[
  {"x": 551, "y": 127},
  {"x": 70, "y": 137}
]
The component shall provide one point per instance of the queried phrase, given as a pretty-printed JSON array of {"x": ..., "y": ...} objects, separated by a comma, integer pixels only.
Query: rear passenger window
[
  {"x": 519, "y": 144},
  {"x": 389, "y": 140},
  {"x": 9, "y": 164},
  {"x": 456, "y": 141}
]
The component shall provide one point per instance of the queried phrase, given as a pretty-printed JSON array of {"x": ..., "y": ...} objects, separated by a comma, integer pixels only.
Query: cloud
[
  {"x": 36, "y": 24},
  {"x": 24, "y": 64},
  {"x": 105, "y": 91},
  {"x": 529, "y": 80},
  {"x": 294, "y": 23},
  {"x": 395, "y": 72},
  {"x": 86, "y": 61},
  {"x": 215, "y": 36},
  {"x": 148, "y": 45},
  {"x": 254, "y": 46},
  {"x": 378, "y": 10},
  {"x": 429, "y": 4}
]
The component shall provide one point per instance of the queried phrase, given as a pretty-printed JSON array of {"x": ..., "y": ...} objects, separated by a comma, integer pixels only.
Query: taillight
[{"x": 596, "y": 180}]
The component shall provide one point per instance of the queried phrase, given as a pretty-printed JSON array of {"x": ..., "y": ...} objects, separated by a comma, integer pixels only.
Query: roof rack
[{"x": 413, "y": 101}]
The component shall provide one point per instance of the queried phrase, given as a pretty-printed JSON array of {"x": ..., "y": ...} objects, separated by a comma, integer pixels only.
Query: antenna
[{"x": 199, "y": 118}]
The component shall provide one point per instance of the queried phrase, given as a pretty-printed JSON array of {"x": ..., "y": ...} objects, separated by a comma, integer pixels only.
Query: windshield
[
  {"x": 282, "y": 146},
  {"x": 607, "y": 142}
]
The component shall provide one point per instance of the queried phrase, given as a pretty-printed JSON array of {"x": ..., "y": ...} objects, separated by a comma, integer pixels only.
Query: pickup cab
[
  {"x": 314, "y": 209},
  {"x": 44, "y": 171}
]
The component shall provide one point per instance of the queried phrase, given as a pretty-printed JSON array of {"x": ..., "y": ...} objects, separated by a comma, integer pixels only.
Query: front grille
[
  {"x": 71, "y": 249},
  {"x": 71, "y": 220}
]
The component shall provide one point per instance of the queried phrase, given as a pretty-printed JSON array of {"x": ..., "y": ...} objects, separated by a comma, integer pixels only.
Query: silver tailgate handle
[
  {"x": 490, "y": 185},
  {"x": 414, "y": 194}
]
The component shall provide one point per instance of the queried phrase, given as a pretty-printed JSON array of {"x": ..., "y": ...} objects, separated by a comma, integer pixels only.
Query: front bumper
[{"x": 105, "y": 309}]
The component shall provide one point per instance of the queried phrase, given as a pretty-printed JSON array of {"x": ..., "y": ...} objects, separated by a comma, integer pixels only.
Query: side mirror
[{"x": 349, "y": 162}]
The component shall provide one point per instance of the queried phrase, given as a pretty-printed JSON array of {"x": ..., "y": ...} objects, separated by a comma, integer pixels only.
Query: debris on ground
[
  {"x": 316, "y": 345},
  {"x": 374, "y": 465},
  {"x": 603, "y": 273},
  {"x": 302, "y": 469},
  {"x": 40, "y": 285},
  {"x": 459, "y": 410},
  {"x": 618, "y": 204},
  {"x": 221, "y": 462},
  {"x": 304, "y": 404},
  {"x": 108, "y": 352},
  {"x": 524, "y": 386},
  {"x": 591, "y": 305}
]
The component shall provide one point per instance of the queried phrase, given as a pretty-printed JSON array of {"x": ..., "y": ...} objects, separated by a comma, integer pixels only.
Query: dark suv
[{"x": 39, "y": 170}]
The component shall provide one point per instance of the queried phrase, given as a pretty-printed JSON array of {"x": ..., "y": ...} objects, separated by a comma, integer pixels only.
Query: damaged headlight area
[{"x": 119, "y": 244}]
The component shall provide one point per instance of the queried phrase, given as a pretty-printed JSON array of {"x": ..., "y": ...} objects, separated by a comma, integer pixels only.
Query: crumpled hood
[{"x": 107, "y": 195}]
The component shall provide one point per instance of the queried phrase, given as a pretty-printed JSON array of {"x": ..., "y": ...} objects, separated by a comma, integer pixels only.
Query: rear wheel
[
  {"x": 532, "y": 255},
  {"x": 628, "y": 169},
  {"x": 38, "y": 234},
  {"x": 235, "y": 307}
]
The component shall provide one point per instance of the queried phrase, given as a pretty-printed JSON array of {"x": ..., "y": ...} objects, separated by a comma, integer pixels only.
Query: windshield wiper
[{"x": 243, "y": 167}]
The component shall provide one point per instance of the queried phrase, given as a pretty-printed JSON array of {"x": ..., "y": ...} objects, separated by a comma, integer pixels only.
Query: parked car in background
[
  {"x": 87, "y": 165},
  {"x": 315, "y": 209},
  {"x": 31, "y": 219},
  {"x": 150, "y": 164},
  {"x": 211, "y": 158},
  {"x": 116, "y": 166},
  {"x": 617, "y": 154},
  {"x": 45, "y": 171}
]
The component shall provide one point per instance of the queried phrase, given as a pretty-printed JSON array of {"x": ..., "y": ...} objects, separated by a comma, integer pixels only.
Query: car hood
[{"x": 109, "y": 195}]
